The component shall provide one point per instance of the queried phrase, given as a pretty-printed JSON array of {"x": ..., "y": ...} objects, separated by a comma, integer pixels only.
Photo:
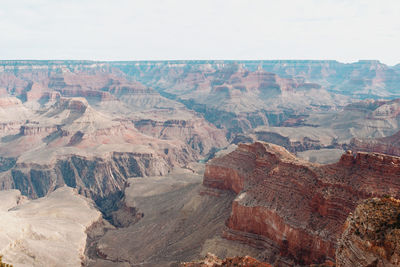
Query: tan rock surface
[
  {"x": 371, "y": 235},
  {"x": 213, "y": 261},
  {"x": 49, "y": 231}
]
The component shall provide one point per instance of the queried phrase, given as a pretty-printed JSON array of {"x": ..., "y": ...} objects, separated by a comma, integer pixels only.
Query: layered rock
[
  {"x": 247, "y": 94},
  {"x": 245, "y": 99},
  {"x": 197, "y": 133},
  {"x": 49, "y": 231},
  {"x": 171, "y": 216},
  {"x": 213, "y": 261},
  {"x": 70, "y": 142},
  {"x": 95, "y": 177},
  {"x": 297, "y": 206},
  {"x": 388, "y": 145},
  {"x": 302, "y": 144},
  {"x": 236, "y": 95},
  {"x": 365, "y": 78},
  {"x": 371, "y": 235},
  {"x": 359, "y": 126}
]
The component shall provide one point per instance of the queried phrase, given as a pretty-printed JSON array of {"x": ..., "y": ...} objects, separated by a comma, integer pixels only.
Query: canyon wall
[
  {"x": 296, "y": 205},
  {"x": 236, "y": 95},
  {"x": 388, "y": 145},
  {"x": 371, "y": 235},
  {"x": 49, "y": 231}
]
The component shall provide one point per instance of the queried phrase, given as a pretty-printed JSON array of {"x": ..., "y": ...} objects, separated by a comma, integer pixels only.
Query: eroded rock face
[
  {"x": 296, "y": 205},
  {"x": 197, "y": 133},
  {"x": 213, "y": 261},
  {"x": 70, "y": 143},
  {"x": 371, "y": 235},
  {"x": 49, "y": 231},
  {"x": 241, "y": 95},
  {"x": 94, "y": 177},
  {"x": 90, "y": 142},
  {"x": 388, "y": 145},
  {"x": 176, "y": 217},
  {"x": 91, "y": 125}
]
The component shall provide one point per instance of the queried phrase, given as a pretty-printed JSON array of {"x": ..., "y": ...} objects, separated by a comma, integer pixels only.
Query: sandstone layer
[
  {"x": 90, "y": 127},
  {"x": 236, "y": 95},
  {"x": 296, "y": 207},
  {"x": 371, "y": 235},
  {"x": 335, "y": 129},
  {"x": 213, "y": 261},
  {"x": 388, "y": 145},
  {"x": 69, "y": 142},
  {"x": 49, "y": 231}
]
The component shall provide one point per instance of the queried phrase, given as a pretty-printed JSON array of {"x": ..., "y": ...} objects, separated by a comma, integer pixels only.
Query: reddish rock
[
  {"x": 297, "y": 205},
  {"x": 213, "y": 261},
  {"x": 371, "y": 235}
]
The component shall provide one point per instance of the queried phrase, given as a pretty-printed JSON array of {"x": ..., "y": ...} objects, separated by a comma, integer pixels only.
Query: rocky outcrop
[
  {"x": 49, "y": 231},
  {"x": 297, "y": 206},
  {"x": 74, "y": 123},
  {"x": 94, "y": 177},
  {"x": 388, "y": 145},
  {"x": 304, "y": 144},
  {"x": 371, "y": 235},
  {"x": 36, "y": 130},
  {"x": 68, "y": 142},
  {"x": 213, "y": 261},
  {"x": 88, "y": 94},
  {"x": 197, "y": 133}
]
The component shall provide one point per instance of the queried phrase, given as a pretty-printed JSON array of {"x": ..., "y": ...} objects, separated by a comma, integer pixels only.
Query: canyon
[
  {"x": 176, "y": 159},
  {"x": 298, "y": 207}
]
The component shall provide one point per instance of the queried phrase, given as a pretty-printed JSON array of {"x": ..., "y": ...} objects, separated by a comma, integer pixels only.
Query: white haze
[{"x": 200, "y": 29}]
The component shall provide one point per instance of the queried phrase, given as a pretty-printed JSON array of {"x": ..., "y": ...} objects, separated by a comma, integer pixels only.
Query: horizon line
[{"x": 5, "y": 61}]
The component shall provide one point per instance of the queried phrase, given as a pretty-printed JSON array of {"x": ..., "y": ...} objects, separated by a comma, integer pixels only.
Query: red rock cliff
[
  {"x": 371, "y": 235},
  {"x": 298, "y": 206}
]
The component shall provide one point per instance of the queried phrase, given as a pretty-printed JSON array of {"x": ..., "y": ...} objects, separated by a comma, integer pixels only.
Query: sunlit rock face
[
  {"x": 49, "y": 231},
  {"x": 90, "y": 126},
  {"x": 212, "y": 260},
  {"x": 236, "y": 95},
  {"x": 298, "y": 207},
  {"x": 371, "y": 235}
]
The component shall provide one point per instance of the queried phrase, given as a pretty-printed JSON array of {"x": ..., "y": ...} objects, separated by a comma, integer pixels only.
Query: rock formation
[
  {"x": 296, "y": 207},
  {"x": 49, "y": 231},
  {"x": 85, "y": 126},
  {"x": 69, "y": 142},
  {"x": 98, "y": 126},
  {"x": 388, "y": 145},
  {"x": 237, "y": 95},
  {"x": 213, "y": 261},
  {"x": 371, "y": 235},
  {"x": 177, "y": 215}
]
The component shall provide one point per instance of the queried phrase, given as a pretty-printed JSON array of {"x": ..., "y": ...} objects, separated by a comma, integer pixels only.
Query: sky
[{"x": 344, "y": 30}]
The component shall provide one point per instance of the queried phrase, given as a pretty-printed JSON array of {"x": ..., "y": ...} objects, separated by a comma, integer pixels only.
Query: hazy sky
[{"x": 200, "y": 29}]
